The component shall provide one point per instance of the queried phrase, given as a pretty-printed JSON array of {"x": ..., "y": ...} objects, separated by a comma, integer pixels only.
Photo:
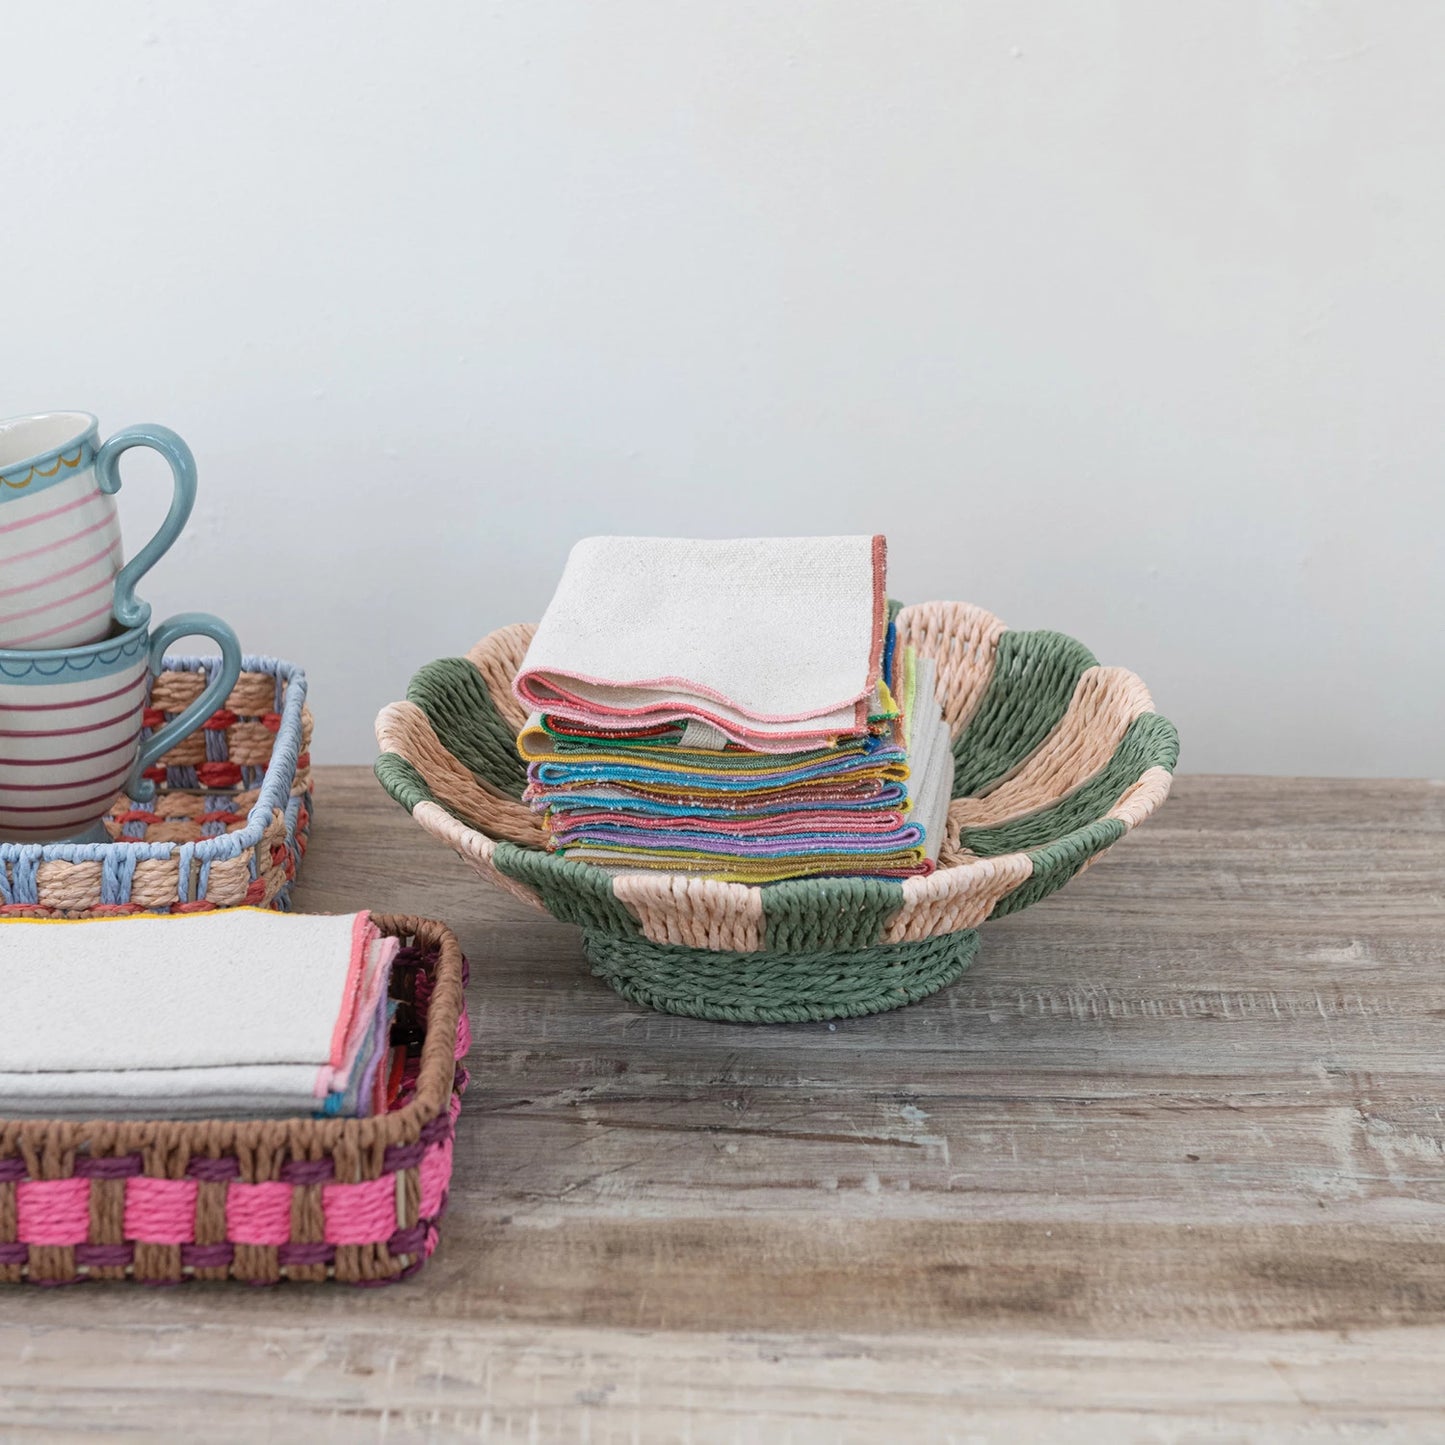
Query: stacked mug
[{"x": 77, "y": 649}]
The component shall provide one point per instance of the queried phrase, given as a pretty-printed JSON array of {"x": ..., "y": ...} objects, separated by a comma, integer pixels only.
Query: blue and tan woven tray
[{"x": 227, "y": 826}]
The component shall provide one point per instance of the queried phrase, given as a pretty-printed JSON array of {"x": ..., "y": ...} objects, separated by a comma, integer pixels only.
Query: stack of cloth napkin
[
  {"x": 239, "y": 1013},
  {"x": 737, "y": 710}
]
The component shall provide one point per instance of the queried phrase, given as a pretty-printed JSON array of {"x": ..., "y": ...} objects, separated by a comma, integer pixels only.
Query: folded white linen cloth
[
  {"x": 238, "y": 1012},
  {"x": 227, "y": 1091},
  {"x": 769, "y": 640}
]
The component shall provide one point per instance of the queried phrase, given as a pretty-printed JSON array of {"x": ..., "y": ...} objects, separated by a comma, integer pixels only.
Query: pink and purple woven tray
[{"x": 160, "y": 1202}]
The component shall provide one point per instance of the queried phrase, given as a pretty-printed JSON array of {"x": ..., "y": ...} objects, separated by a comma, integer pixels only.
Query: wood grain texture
[{"x": 1168, "y": 1164}]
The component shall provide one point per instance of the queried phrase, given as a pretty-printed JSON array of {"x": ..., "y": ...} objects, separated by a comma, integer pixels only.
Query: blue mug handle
[
  {"x": 128, "y": 610},
  {"x": 213, "y": 697}
]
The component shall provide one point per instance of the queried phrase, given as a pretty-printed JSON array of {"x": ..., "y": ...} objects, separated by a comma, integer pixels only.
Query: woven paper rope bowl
[{"x": 1056, "y": 758}]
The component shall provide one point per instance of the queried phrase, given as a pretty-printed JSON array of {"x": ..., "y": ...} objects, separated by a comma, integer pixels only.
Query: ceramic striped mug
[
  {"x": 71, "y": 721},
  {"x": 62, "y": 573}
]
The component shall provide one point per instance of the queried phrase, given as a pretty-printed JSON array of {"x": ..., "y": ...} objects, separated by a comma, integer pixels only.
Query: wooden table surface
[{"x": 1167, "y": 1164}]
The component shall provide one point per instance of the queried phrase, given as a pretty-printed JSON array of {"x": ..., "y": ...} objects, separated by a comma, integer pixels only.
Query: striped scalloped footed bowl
[{"x": 1055, "y": 759}]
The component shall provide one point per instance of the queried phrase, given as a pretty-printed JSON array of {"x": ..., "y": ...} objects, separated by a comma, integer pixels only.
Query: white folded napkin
[
  {"x": 771, "y": 638},
  {"x": 234, "y": 1012}
]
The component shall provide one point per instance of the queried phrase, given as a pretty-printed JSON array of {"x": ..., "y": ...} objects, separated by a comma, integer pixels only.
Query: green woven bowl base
[{"x": 777, "y": 988}]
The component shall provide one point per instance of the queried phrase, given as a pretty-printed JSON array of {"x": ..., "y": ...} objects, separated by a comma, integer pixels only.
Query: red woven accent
[
  {"x": 201, "y": 905},
  {"x": 219, "y": 775},
  {"x": 152, "y": 717},
  {"x": 271, "y": 721},
  {"x": 137, "y": 815},
  {"x": 256, "y": 891},
  {"x": 393, "y": 1080},
  {"x": 156, "y": 774},
  {"x": 218, "y": 722}
]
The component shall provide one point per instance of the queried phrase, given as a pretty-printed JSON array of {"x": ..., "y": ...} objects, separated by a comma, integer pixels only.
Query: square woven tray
[
  {"x": 228, "y": 823},
  {"x": 259, "y": 1201}
]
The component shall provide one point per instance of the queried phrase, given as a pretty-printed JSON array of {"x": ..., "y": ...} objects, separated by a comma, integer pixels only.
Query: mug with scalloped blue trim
[
  {"x": 63, "y": 577},
  {"x": 72, "y": 724}
]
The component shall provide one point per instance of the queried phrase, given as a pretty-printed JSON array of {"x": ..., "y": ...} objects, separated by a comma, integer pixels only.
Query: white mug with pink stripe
[
  {"x": 62, "y": 574},
  {"x": 71, "y": 721}
]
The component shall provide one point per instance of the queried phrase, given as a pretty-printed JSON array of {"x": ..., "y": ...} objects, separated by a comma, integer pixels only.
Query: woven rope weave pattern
[
  {"x": 778, "y": 988},
  {"x": 1056, "y": 758},
  {"x": 356, "y": 1200},
  {"x": 228, "y": 824}
]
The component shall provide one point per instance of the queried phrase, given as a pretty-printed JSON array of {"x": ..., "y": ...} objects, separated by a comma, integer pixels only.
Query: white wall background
[{"x": 1124, "y": 318}]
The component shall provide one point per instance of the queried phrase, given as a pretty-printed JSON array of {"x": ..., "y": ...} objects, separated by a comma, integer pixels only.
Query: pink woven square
[
  {"x": 436, "y": 1172},
  {"x": 160, "y": 1211},
  {"x": 360, "y": 1213},
  {"x": 258, "y": 1213},
  {"x": 52, "y": 1211}
]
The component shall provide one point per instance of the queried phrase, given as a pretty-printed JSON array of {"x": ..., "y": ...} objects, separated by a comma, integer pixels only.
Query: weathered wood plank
[
  {"x": 1172, "y": 1156},
  {"x": 381, "y": 1380}
]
